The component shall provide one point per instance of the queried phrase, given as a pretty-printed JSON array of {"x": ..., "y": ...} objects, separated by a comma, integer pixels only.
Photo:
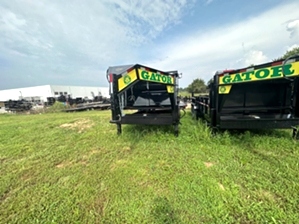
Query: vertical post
[
  {"x": 115, "y": 109},
  {"x": 214, "y": 101}
]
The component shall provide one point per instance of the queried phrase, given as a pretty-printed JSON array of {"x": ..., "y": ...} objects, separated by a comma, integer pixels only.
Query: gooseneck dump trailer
[
  {"x": 150, "y": 93},
  {"x": 265, "y": 96}
]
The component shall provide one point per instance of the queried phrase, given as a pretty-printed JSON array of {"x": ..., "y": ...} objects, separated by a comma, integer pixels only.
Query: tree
[
  {"x": 293, "y": 52},
  {"x": 197, "y": 86}
]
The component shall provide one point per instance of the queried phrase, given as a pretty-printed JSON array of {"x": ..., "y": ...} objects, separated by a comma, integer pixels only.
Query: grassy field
[
  {"x": 185, "y": 93},
  {"x": 73, "y": 168}
]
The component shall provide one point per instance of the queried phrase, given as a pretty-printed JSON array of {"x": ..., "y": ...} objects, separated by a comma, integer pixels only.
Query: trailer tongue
[
  {"x": 265, "y": 96},
  {"x": 149, "y": 92}
]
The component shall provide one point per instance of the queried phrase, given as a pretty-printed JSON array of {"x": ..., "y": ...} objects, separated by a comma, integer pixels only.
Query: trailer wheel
[{"x": 118, "y": 129}]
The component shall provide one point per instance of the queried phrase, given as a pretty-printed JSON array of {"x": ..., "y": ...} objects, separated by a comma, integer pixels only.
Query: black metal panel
[
  {"x": 244, "y": 97},
  {"x": 149, "y": 118},
  {"x": 247, "y": 124},
  {"x": 155, "y": 104}
]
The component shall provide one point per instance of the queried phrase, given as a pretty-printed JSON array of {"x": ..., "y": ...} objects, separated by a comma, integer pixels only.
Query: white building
[{"x": 41, "y": 93}]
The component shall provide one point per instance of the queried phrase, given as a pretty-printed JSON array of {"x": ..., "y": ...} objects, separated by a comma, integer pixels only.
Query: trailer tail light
[
  {"x": 276, "y": 63},
  {"x": 130, "y": 69},
  {"x": 224, "y": 72},
  {"x": 145, "y": 69},
  {"x": 110, "y": 77}
]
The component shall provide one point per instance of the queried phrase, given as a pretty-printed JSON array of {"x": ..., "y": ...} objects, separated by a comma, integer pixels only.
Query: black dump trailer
[
  {"x": 265, "y": 96},
  {"x": 143, "y": 95}
]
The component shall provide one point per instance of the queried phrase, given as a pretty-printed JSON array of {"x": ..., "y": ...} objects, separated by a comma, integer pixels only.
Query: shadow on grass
[
  {"x": 163, "y": 212},
  {"x": 264, "y": 133},
  {"x": 245, "y": 140},
  {"x": 142, "y": 130}
]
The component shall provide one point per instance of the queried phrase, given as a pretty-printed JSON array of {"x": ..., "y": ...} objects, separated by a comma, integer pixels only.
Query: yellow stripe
[
  {"x": 126, "y": 80},
  {"x": 170, "y": 89},
  {"x": 273, "y": 72},
  {"x": 224, "y": 89}
]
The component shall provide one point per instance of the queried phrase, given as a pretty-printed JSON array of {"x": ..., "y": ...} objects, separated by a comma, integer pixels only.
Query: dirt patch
[
  {"x": 89, "y": 154},
  {"x": 83, "y": 162},
  {"x": 95, "y": 151},
  {"x": 26, "y": 177},
  {"x": 267, "y": 195},
  {"x": 208, "y": 164},
  {"x": 63, "y": 164},
  {"x": 126, "y": 149},
  {"x": 80, "y": 125},
  {"x": 122, "y": 163}
]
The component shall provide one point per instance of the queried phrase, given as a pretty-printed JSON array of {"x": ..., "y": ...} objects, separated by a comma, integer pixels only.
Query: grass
[
  {"x": 73, "y": 168},
  {"x": 184, "y": 93},
  {"x": 187, "y": 94}
]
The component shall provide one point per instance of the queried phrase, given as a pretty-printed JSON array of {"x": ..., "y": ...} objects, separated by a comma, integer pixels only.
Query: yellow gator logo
[
  {"x": 127, "y": 79},
  {"x": 130, "y": 77},
  {"x": 155, "y": 77},
  {"x": 261, "y": 74},
  {"x": 225, "y": 89}
]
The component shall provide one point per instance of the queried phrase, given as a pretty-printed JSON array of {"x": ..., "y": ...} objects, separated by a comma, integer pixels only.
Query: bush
[{"x": 57, "y": 107}]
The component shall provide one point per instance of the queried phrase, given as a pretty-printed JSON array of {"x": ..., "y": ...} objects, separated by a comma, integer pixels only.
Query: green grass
[
  {"x": 184, "y": 93},
  {"x": 187, "y": 94},
  {"x": 73, "y": 168}
]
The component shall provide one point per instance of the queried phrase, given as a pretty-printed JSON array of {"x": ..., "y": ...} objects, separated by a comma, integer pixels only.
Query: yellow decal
[
  {"x": 170, "y": 89},
  {"x": 155, "y": 77},
  {"x": 127, "y": 79},
  {"x": 274, "y": 72},
  {"x": 224, "y": 89}
]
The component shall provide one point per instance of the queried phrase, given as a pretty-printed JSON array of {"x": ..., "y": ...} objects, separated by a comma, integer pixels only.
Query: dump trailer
[
  {"x": 265, "y": 96},
  {"x": 151, "y": 95}
]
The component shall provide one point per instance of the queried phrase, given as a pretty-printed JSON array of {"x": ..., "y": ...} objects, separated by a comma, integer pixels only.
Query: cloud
[
  {"x": 251, "y": 41},
  {"x": 74, "y": 42},
  {"x": 292, "y": 47},
  {"x": 73, "y": 39},
  {"x": 293, "y": 28},
  {"x": 255, "y": 57}
]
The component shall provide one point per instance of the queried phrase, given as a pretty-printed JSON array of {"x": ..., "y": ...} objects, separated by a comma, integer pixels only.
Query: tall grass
[{"x": 73, "y": 168}]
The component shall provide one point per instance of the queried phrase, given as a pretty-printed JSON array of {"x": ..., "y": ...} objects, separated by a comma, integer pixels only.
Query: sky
[{"x": 73, "y": 42}]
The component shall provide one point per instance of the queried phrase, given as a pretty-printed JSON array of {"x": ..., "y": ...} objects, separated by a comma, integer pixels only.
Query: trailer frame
[
  {"x": 154, "y": 113},
  {"x": 266, "y": 103}
]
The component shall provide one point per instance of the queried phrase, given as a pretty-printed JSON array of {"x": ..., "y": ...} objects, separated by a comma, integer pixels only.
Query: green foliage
[
  {"x": 293, "y": 52},
  {"x": 57, "y": 107},
  {"x": 182, "y": 89},
  {"x": 184, "y": 94},
  {"x": 73, "y": 168},
  {"x": 197, "y": 86}
]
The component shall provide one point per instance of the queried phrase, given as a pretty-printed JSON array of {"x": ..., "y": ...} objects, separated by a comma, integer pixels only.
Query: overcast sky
[{"x": 73, "y": 42}]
